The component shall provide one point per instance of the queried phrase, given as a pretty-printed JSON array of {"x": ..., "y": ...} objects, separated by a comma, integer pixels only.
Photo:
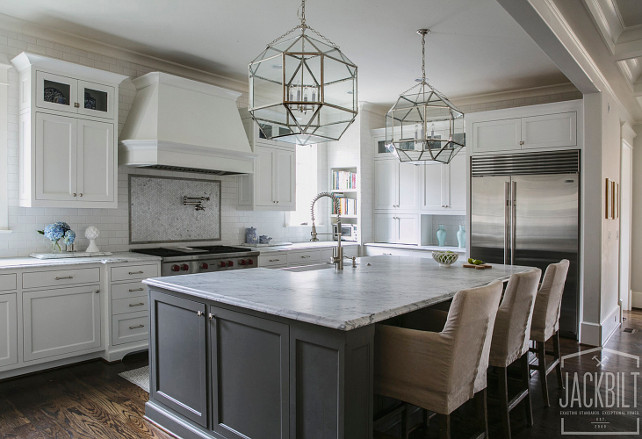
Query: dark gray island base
[{"x": 272, "y": 354}]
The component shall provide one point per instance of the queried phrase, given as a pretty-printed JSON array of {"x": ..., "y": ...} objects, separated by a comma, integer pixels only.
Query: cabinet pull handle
[
  {"x": 131, "y": 305},
  {"x": 521, "y": 142},
  {"x": 76, "y": 105},
  {"x": 136, "y": 326},
  {"x": 305, "y": 257},
  {"x": 64, "y": 277},
  {"x": 97, "y": 291},
  {"x": 199, "y": 313},
  {"x": 273, "y": 260},
  {"x": 211, "y": 316},
  {"x": 136, "y": 272},
  {"x": 133, "y": 290}
]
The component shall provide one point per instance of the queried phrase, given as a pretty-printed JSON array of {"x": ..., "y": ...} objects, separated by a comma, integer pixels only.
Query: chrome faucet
[{"x": 337, "y": 253}]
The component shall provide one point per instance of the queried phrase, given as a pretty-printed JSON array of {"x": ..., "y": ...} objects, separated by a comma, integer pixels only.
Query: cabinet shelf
[
  {"x": 344, "y": 191},
  {"x": 334, "y": 215}
]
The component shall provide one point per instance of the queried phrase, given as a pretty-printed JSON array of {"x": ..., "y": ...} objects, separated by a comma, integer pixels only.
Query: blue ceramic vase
[
  {"x": 441, "y": 236},
  {"x": 461, "y": 237}
]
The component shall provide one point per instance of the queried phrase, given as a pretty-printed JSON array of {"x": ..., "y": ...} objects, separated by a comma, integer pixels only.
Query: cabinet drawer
[
  {"x": 271, "y": 260},
  {"x": 60, "y": 277},
  {"x": 134, "y": 272},
  {"x": 126, "y": 328},
  {"x": 304, "y": 258},
  {"x": 133, "y": 304},
  {"x": 128, "y": 290},
  {"x": 8, "y": 282}
]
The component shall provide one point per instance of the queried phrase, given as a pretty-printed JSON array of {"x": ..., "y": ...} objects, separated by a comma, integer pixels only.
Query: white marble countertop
[
  {"x": 302, "y": 246},
  {"x": 379, "y": 288},
  {"x": 411, "y": 247},
  {"x": 25, "y": 262}
]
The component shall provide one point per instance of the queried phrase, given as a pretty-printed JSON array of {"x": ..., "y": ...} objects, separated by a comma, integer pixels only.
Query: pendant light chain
[{"x": 423, "y": 57}]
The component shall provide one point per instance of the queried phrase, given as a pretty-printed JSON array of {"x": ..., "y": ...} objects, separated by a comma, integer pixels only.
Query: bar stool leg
[
  {"x": 526, "y": 383},
  {"x": 541, "y": 367},
  {"x": 558, "y": 367},
  {"x": 444, "y": 426},
  {"x": 502, "y": 375}
]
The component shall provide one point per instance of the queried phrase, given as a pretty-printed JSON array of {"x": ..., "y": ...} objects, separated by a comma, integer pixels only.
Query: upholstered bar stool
[
  {"x": 438, "y": 371},
  {"x": 546, "y": 321},
  {"x": 511, "y": 340}
]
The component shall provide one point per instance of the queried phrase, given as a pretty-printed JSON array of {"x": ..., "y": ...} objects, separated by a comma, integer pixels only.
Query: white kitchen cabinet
[
  {"x": 444, "y": 187},
  {"x": 60, "y": 322},
  {"x": 539, "y": 131},
  {"x": 74, "y": 160},
  {"x": 8, "y": 329},
  {"x": 67, "y": 132},
  {"x": 395, "y": 185},
  {"x": 272, "y": 186},
  {"x": 396, "y": 228}
]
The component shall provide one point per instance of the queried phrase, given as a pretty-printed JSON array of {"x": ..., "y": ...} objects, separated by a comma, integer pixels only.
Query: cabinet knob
[
  {"x": 211, "y": 316},
  {"x": 76, "y": 105},
  {"x": 80, "y": 194},
  {"x": 74, "y": 194},
  {"x": 199, "y": 313},
  {"x": 521, "y": 142}
]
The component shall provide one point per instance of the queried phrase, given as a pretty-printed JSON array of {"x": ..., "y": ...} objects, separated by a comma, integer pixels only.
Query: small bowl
[{"x": 445, "y": 259}]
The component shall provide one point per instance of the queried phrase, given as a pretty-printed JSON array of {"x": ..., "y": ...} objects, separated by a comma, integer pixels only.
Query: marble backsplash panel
[{"x": 157, "y": 213}]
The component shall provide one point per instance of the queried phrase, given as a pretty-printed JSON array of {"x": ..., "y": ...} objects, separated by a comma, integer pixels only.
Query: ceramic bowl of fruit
[{"x": 445, "y": 258}]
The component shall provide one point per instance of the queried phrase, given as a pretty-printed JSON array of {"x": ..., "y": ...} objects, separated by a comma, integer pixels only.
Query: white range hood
[{"x": 176, "y": 123}]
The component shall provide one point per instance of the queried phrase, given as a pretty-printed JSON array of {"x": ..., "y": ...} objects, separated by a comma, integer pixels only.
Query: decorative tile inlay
[{"x": 157, "y": 213}]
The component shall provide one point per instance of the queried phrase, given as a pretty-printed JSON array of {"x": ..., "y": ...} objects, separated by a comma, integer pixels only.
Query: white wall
[{"x": 113, "y": 223}]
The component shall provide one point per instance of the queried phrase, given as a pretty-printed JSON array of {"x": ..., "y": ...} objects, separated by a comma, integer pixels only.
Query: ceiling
[{"x": 474, "y": 46}]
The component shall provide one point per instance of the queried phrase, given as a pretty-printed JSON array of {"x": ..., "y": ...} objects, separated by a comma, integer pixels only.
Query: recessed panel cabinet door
[
  {"x": 55, "y": 157},
  {"x": 284, "y": 180},
  {"x": 61, "y": 321},
  {"x": 95, "y": 161},
  {"x": 250, "y": 376},
  {"x": 386, "y": 175},
  {"x": 8, "y": 329},
  {"x": 264, "y": 187},
  {"x": 386, "y": 228},
  {"x": 408, "y": 185},
  {"x": 178, "y": 375}
]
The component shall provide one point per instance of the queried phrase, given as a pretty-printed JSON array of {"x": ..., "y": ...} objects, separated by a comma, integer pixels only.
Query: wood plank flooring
[{"x": 90, "y": 400}]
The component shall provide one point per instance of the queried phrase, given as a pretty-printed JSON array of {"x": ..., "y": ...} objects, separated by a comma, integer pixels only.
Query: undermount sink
[{"x": 321, "y": 266}]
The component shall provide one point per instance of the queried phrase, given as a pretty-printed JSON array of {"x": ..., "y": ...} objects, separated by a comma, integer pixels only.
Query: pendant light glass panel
[{"x": 303, "y": 89}]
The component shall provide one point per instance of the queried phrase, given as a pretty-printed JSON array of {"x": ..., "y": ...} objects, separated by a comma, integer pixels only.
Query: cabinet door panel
[
  {"x": 8, "y": 329},
  {"x": 250, "y": 369},
  {"x": 284, "y": 178},
  {"x": 96, "y": 99},
  {"x": 497, "y": 135},
  {"x": 386, "y": 184},
  {"x": 56, "y": 92},
  {"x": 178, "y": 375},
  {"x": 550, "y": 130},
  {"x": 457, "y": 183},
  {"x": 408, "y": 186},
  {"x": 407, "y": 229},
  {"x": 61, "y": 321},
  {"x": 55, "y": 157},
  {"x": 95, "y": 161},
  {"x": 385, "y": 227},
  {"x": 432, "y": 182},
  {"x": 263, "y": 184}
]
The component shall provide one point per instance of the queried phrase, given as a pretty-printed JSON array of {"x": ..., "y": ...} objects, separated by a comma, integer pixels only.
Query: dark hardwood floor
[{"x": 90, "y": 400}]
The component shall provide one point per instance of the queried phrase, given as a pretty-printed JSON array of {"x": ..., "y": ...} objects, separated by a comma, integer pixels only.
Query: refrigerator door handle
[
  {"x": 507, "y": 211},
  {"x": 513, "y": 221}
]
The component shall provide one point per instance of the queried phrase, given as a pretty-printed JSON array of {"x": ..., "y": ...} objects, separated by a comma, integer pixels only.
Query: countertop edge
[{"x": 116, "y": 258}]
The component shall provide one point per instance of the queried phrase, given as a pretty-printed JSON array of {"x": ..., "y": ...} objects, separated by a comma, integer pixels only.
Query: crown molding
[
  {"x": 74, "y": 41},
  {"x": 533, "y": 92}
]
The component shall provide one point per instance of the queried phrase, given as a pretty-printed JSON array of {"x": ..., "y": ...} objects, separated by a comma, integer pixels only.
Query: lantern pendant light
[
  {"x": 423, "y": 125},
  {"x": 303, "y": 89}
]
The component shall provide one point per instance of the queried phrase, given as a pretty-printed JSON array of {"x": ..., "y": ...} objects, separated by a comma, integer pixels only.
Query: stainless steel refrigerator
[{"x": 525, "y": 211}]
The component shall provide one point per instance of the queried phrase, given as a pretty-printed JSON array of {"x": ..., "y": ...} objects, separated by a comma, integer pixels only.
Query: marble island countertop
[
  {"x": 380, "y": 287},
  {"x": 412, "y": 247},
  {"x": 25, "y": 262}
]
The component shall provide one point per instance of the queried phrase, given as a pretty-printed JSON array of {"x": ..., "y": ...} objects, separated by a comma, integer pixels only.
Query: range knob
[
  {"x": 250, "y": 262},
  {"x": 175, "y": 267},
  {"x": 204, "y": 266},
  {"x": 230, "y": 263},
  {"x": 242, "y": 262},
  {"x": 222, "y": 264},
  {"x": 184, "y": 267}
]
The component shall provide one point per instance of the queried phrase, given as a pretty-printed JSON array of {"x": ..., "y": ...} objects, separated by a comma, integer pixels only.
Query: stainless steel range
[{"x": 189, "y": 260}]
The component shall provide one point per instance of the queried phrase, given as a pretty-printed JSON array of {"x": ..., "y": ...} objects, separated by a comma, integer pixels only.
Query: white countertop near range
[
  {"x": 301, "y": 246},
  {"x": 25, "y": 262},
  {"x": 380, "y": 287},
  {"x": 412, "y": 247}
]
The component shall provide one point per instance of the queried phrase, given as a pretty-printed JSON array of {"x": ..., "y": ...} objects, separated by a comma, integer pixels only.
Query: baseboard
[
  {"x": 636, "y": 299},
  {"x": 610, "y": 324},
  {"x": 590, "y": 333}
]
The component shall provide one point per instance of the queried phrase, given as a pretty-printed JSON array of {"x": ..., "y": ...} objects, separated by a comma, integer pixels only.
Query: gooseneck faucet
[{"x": 337, "y": 253}]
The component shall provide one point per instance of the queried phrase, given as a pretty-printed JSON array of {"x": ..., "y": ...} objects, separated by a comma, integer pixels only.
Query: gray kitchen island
[{"x": 283, "y": 354}]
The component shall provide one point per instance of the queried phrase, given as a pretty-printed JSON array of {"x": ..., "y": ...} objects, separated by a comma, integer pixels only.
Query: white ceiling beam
[
  {"x": 637, "y": 88},
  {"x": 606, "y": 18},
  {"x": 628, "y": 50}
]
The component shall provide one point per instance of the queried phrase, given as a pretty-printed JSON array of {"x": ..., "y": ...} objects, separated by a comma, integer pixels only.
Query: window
[{"x": 306, "y": 183}]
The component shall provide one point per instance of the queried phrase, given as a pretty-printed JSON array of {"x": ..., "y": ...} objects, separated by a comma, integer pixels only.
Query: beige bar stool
[
  {"x": 546, "y": 323},
  {"x": 440, "y": 371},
  {"x": 511, "y": 340}
]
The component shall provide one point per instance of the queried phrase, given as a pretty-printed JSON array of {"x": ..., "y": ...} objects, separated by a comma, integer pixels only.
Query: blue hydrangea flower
[
  {"x": 54, "y": 232},
  {"x": 70, "y": 237}
]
